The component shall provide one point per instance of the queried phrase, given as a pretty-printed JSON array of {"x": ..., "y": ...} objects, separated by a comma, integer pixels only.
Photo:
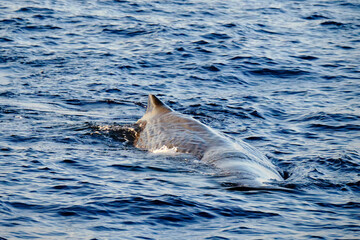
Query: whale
[{"x": 162, "y": 127}]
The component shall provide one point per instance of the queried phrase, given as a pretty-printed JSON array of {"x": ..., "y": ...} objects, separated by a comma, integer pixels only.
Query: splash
[{"x": 124, "y": 133}]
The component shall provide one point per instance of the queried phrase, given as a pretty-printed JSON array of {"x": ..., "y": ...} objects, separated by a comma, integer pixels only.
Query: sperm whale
[{"x": 161, "y": 126}]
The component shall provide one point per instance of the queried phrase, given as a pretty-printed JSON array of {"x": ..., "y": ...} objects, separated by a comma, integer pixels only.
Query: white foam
[{"x": 165, "y": 150}]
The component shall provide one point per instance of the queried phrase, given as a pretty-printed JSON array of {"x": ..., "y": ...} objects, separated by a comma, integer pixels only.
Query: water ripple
[{"x": 74, "y": 76}]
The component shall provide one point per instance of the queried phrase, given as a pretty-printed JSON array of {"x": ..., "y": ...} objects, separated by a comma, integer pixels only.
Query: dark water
[{"x": 280, "y": 75}]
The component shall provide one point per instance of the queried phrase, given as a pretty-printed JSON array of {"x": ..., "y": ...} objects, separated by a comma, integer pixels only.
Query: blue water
[{"x": 280, "y": 75}]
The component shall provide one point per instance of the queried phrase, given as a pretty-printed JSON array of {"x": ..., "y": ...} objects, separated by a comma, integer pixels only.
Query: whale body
[{"x": 163, "y": 127}]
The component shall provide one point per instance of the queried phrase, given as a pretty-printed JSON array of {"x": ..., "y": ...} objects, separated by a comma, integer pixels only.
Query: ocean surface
[{"x": 283, "y": 76}]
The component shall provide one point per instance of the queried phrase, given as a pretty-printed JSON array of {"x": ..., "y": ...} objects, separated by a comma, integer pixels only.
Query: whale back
[{"x": 162, "y": 127}]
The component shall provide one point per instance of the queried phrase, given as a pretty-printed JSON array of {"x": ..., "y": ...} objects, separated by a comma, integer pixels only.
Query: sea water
[{"x": 281, "y": 75}]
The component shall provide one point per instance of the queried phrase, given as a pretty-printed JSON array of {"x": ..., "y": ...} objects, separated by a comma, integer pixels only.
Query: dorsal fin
[{"x": 155, "y": 104}]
